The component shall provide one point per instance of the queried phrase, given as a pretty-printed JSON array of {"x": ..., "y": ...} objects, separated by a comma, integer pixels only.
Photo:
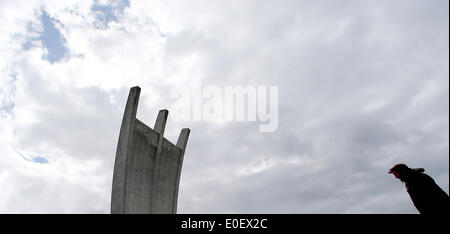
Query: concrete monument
[{"x": 148, "y": 167}]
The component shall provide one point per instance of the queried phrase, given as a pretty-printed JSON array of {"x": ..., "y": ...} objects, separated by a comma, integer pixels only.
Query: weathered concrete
[{"x": 148, "y": 167}]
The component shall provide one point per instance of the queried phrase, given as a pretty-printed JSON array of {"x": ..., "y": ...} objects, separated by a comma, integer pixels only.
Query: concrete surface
[{"x": 147, "y": 169}]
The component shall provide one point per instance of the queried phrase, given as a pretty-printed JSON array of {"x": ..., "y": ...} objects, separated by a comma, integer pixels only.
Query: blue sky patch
[
  {"x": 6, "y": 108},
  {"x": 40, "y": 160},
  {"x": 49, "y": 37},
  {"x": 35, "y": 159},
  {"x": 52, "y": 39},
  {"x": 8, "y": 91},
  {"x": 105, "y": 14}
]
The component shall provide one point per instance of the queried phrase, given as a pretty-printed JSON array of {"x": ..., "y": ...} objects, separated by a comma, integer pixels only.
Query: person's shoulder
[{"x": 424, "y": 177}]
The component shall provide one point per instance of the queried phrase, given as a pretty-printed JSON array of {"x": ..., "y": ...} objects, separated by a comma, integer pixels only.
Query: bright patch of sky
[
  {"x": 106, "y": 12},
  {"x": 49, "y": 37},
  {"x": 31, "y": 158},
  {"x": 6, "y": 100},
  {"x": 40, "y": 160},
  {"x": 52, "y": 39}
]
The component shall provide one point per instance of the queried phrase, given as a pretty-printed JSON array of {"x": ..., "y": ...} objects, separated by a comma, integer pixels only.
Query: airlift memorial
[{"x": 147, "y": 167}]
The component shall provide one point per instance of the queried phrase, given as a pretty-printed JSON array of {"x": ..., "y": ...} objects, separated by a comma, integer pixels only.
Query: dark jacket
[{"x": 426, "y": 195}]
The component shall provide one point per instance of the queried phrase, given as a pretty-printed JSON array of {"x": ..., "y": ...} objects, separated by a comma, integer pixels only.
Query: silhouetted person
[{"x": 426, "y": 195}]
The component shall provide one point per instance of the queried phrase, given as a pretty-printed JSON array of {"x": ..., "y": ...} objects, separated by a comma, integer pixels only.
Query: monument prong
[
  {"x": 160, "y": 123},
  {"x": 147, "y": 168},
  {"x": 181, "y": 144},
  {"x": 125, "y": 137},
  {"x": 183, "y": 138}
]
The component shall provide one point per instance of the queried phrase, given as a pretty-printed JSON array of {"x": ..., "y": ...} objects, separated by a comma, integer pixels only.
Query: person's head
[{"x": 400, "y": 171}]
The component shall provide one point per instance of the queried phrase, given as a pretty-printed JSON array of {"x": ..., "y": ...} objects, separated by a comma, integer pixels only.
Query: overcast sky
[{"x": 362, "y": 85}]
